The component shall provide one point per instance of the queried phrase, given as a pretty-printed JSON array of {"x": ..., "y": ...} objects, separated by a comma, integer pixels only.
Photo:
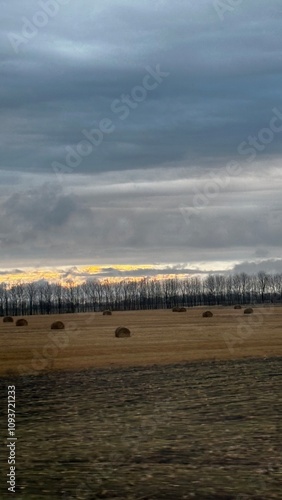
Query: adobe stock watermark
[
  {"x": 122, "y": 107},
  {"x": 57, "y": 341},
  {"x": 264, "y": 137},
  {"x": 30, "y": 27},
  {"x": 210, "y": 190},
  {"x": 223, "y": 6},
  {"x": 246, "y": 327},
  {"x": 130, "y": 443},
  {"x": 217, "y": 183}
]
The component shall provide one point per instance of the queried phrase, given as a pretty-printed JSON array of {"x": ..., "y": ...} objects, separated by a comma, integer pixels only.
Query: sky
[{"x": 140, "y": 135}]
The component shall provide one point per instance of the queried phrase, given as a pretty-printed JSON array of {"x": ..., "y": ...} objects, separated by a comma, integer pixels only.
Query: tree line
[{"x": 146, "y": 293}]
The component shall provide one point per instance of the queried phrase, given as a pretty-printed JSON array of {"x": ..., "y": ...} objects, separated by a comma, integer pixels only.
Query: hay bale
[
  {"x": 207, "y": 314},
  {"x": 249, "y": 310},
  {"x": 58, "y": 325},
  {"x": 176, "y": 310},
  {"x": 237, "y": 307},
  {"x": 8, "y": 319},
  {"x": 21, "y": 322},
  {"x": 182, "y": 309},
  {"x": 122, "y": 331},
  {"x": 107, "y": 313}
]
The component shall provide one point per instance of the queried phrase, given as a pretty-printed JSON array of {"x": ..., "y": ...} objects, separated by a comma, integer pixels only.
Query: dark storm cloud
[
  {"x": 75, "y": 273},
  {"x": 141, "y": 223},
  {"x": 204, "y": 87},
  {"x": 224, "y": 79},
  {"x": 13, "y": 271},
  {"x": 39, "y": 210},
  {"x": 149, "y": 273},
  {"x": 271, "y": 266}
]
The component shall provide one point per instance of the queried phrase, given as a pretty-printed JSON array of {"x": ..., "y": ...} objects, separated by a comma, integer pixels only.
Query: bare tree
[
  {"x": 31, "y": 294},
  {"x": 262, "y": 280},
  {"x": 210, "y": 287}
]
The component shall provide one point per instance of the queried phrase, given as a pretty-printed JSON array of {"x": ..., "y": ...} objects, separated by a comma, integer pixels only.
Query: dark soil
[{"x": 204, "y": 431}]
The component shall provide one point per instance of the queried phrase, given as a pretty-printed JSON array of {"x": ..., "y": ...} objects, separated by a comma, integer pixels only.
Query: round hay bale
[
  {"x": 249, "y": 310},
  {"x": 107, "y": 313},
  {"x": 58, "y": 325},
  {"x": 182, "y": 309},
  {"x": 207, "y": 314},
  {"x": 122, "y": 331},
  {"x": 238, "y": 306},
  {"x": 176, "y": 310},
  {"x": 21, "y": 322},
  {"x": 8, "y": 319}
]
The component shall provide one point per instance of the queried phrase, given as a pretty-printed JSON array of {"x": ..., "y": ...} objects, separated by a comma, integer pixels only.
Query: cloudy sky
[{"x": 145, "y": 133}]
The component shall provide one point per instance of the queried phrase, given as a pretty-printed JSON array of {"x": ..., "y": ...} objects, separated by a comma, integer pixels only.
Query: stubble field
[
  {"x": 171, "y": 413},
  {"x": 158, "y": 337}
]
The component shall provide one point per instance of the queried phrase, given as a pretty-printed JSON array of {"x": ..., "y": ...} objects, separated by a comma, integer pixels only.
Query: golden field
[
  {"x": 92, "y": 422},
  {"x": 158, "y": 337}
]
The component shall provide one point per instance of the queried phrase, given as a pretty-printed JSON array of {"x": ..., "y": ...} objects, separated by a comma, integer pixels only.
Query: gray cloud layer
[
  {"x": 225, "y": 78},
  {"x": 123, "y": 201}
]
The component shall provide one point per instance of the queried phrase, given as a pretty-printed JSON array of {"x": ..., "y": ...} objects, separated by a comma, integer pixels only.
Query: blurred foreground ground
[{"x": 202, "y": 430}]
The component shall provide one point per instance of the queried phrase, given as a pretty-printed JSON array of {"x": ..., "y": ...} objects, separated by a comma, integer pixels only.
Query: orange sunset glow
[{"x": 64, "y": 275}]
